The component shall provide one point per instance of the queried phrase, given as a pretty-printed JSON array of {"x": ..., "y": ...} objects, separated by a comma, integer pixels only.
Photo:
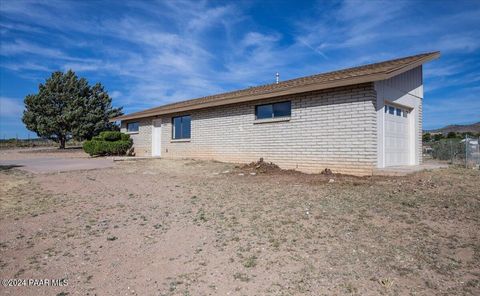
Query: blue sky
[{"x": 148, "y": 53}]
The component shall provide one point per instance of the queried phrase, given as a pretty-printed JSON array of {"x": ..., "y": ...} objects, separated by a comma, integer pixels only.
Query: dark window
[
  {"x": 399, "y": 112},
  {"x": 391, "y": 109},
  {"x": 282, "y": 109},
  {"x": 264, "y": 111},
  {"x": 181, "y": 127},
  {"x": 132, "y": 127},
  {"x": 274, "y": 110}
]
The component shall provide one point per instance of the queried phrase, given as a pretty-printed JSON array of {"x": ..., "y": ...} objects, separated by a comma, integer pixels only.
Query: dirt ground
[
  {"x": 41, "y": 152},
  {"x": 184, "y": 227},
  {"x": 51, "y": 160}
]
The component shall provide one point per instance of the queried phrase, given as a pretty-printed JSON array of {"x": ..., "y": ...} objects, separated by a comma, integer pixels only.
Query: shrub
[
  {"x": 426, "y": 137},
  {"x": 437, "y": 137},
  {"x": 112, "y": 135},
  {"x": 451, "y": 135},
  {"x": 108, "y": 143},
  {"x": 125, "y": 137}
]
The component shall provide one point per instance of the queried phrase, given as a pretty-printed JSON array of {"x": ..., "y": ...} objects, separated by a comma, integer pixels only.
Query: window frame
[
  {"x": 389, "y": 108},
  {"x": 133, "y": 131},
  {"x": 182, "y": 137},
  {"x": 273, "y": 110}
]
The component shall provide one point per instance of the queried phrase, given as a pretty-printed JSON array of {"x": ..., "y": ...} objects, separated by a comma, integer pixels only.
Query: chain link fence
[{"x": 465, "y": 152}]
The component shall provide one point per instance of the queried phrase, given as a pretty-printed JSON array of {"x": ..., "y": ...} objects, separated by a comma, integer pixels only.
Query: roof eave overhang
[
  {"x": 284, "y": 92},
  {"x": 248, "y": 98},
  {"x": 413, "y": 65}
]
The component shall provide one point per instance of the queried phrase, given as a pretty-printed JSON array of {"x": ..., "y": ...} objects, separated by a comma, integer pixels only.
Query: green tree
[
  {"x": 99, "y": 107},
  {"x": 426, "y": 137},
  {"x": 437, "y": 137},
  {"x": 451, "y": 135},
  {"x": 67, "y": 107}
]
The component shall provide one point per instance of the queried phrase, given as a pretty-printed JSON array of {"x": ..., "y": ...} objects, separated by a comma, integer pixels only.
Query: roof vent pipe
[{"x": 277, "y": 76}]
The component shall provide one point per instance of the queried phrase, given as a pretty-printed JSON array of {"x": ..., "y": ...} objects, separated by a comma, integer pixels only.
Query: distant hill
[{"x": 457, "y": 128}]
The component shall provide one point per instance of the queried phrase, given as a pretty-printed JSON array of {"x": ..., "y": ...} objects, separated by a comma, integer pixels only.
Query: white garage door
[{"x": 397, "y": 136}]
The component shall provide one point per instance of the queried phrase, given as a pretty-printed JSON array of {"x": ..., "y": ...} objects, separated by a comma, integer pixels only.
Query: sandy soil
[{"x": 183, "y": 227}]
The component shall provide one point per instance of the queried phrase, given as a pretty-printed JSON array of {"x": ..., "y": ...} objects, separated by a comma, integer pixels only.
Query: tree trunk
[{"x": 62, "y": 143}]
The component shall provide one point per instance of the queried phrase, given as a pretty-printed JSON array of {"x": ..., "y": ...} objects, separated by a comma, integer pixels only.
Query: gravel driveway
[
  {"x": 51, "y": 160},
  {"x": 51, "y": 165}
]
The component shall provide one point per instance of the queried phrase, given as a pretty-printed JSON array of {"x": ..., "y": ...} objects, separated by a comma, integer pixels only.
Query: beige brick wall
[
  {"x": 142, "y": 140},
  {"x": 333, "y": 129}
]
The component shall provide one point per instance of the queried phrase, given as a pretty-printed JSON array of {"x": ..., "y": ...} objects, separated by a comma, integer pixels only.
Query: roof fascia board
[{"x": 412, "y": 65}]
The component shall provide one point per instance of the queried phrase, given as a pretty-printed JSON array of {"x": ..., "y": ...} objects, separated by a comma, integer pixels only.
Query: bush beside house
[{"x": 108, "y": 143}]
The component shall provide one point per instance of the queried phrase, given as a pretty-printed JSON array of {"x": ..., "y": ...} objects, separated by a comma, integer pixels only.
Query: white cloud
[
  {"x": 259, "y": 39},
  {"x": 457, "y": 43},
  {"x": 26, "y": 66},
  {"x": 115, "y": 94},
  {"x": 18, "y": 47},
  {"x": 447, "y": 69},
  {"x": 10, "y": 107}
]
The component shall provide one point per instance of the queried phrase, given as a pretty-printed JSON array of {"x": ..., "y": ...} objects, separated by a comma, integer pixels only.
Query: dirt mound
[
  {"x": 327, "y": 172},
  {"x": 261, "y": 167}
]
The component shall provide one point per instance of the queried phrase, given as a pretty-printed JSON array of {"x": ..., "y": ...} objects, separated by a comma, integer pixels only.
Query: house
[{"x": 350, "y": 121}]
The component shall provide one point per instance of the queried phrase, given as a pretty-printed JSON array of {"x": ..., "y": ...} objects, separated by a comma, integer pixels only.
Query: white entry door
[
  {"x": 397, "y": 136},
  {"x": 156, "y": 137}
]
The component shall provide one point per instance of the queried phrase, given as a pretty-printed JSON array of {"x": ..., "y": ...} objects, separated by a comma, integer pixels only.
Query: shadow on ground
[{"x": 9, "y": 167}]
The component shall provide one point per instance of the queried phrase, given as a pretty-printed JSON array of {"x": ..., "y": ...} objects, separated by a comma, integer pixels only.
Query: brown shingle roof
[{"x": 350, "y": 76}]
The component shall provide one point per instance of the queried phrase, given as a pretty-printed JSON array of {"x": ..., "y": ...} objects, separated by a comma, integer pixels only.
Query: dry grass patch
[{"x": 183, "y": 227}]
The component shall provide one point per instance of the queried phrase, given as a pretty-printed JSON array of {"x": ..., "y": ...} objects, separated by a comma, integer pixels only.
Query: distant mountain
[{"x": 457, "y": 128}]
